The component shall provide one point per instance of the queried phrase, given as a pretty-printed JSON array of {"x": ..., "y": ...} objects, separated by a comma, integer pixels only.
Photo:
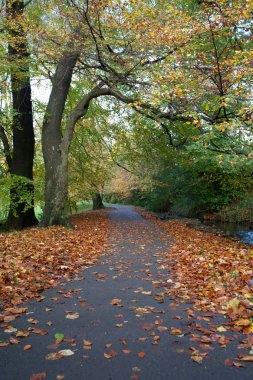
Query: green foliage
[{"x": 5, "y": 198}]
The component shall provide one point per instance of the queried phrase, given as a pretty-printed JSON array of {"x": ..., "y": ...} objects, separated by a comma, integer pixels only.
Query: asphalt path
[{"x": 117, "y": 320}]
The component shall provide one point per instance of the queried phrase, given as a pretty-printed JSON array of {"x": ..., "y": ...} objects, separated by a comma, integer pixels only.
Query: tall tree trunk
[
  {"x": 55, "y": 148},
  {"x": 21, "y": 212},
  {"x": 55, "y": 144},
  {"x": 97, "y": 201}
]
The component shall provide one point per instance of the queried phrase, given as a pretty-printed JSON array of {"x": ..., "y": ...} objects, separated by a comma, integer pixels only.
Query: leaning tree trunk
[
  {"x": 55, "y": 148},
  {"x": 97, "y": 201},
  {"x": 21, "y": 213}
]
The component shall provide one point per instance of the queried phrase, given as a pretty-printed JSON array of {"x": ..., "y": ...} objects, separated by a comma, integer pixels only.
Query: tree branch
[{"x": 6, "y": 146}]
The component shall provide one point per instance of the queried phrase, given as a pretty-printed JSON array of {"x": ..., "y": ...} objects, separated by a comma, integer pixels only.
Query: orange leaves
[
  {"x": 174, "y": 331},
  {"x": 35, "y": 259},
  {"x": 212, "y": 271},
  {"x": 27, "y": 347},
  {"x": 116, "y": 302},
  {"x": 246, "y": 358},
  {"x": 38, "y": 376},
  {"x": 111, "y": 354}
]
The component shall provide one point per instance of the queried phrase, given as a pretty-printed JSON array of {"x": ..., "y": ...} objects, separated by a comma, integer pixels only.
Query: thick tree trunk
[
  {"x": 55, "y": 148},
  {"x": 97, "y": 201},
  {"x": 21, "y": 212}
]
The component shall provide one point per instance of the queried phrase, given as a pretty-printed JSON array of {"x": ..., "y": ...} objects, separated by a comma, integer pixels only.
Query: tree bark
[
  {"x": 21, "y": 213},
  {"x": 55, "y": 149},
  {"x": 97, "y": 201},
  {"x": 55, "y": 145}
]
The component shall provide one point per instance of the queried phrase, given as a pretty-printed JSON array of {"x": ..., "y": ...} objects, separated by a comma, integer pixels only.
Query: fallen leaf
[
  {"x": 54, "y": 356},
  {"x": 221, "y": 329},
  {"x": 110, "y": 354},
  {"x": 141, "y": 354},
  {"x": 38, "y": 376},
  {"x": 246, "y": 358},
  {"x": 87, "y": 343},
  {"x": 176, "y": 331},
  {"x": 14, "y": 341},
  {"x": 238, "y": 365},
  {"x": 116, "y": 302},
  {"x": 162, "y": 328},
  {"x": 126, "y": 351},
  {"x": 39, "y": 331},
  {"x": 66, "y": 352},
  {"x": 27, "y": 347},
  {"x": 197, "y": 358},
  {"x": 72, "y": 316},
  {"x": 59, "y": 336},
  {"x": 4, "y": 344},
  {"x": 22, "y": 334}
]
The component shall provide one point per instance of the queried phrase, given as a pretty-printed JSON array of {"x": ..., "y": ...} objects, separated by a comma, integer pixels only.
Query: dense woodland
[{"x": 143, "y": 102}]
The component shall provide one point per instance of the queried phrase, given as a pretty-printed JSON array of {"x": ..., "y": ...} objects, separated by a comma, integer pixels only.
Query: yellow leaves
[
  {"x": 233, "y": 304},
  {"x": 197, "y": 359},
  {"x": 221, "y": 329},
  {"x": 22, "y": 334}
]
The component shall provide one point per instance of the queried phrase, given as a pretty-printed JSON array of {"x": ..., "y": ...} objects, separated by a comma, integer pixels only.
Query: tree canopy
[{"x": 160, "y": 90}]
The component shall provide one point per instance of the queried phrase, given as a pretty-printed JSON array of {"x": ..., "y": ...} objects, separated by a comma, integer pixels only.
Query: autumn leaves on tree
[{"x": 185, "y": 67}]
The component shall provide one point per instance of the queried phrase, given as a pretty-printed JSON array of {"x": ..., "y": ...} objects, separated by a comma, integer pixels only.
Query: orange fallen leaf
[
  {"x": 4, "y": 344},
  {"x": 110, "y": 354},
  {"x": 162, "y": 328},
  {"x": 115, "y": 301},
  {"x": 87, "y": 343},
  {"x": 39, "y": 331},
  {"x": 246, "y": 358},
  {"x": 14, "y": 341},
  {"x": 175, "y": 331},
  {"x": 27, "y": 347},
  {"x": 141, "y": 354},
  {"x": 38, "y": 376}
]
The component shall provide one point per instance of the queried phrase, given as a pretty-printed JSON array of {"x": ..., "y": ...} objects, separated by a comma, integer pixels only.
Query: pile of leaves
[
  {"x": 212, "y": 271},
  {"x": 36, "y": 259}
]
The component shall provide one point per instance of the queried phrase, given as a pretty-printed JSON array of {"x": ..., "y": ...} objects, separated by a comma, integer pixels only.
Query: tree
[
  {"x": 90, "y": 158},
  {"x": 180, "y": 66},
  {"x": 20, "y": 155},
  {"x": 116, "y": 55}
]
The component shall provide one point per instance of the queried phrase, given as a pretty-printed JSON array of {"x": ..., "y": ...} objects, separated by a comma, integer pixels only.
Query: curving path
[{"x": 119, "y": 320}]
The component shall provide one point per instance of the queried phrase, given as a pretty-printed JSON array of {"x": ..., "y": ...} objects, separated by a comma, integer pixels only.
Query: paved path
[{"x": 121, "y": 312}]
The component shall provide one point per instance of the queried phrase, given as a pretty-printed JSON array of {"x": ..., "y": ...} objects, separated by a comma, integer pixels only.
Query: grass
[{"x": 79, "y": 207}]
